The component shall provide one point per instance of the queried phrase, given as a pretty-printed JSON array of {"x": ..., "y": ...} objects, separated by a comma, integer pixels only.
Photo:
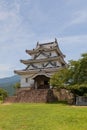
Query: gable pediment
[
  {"x": 48, "y": 64},
  {"x": 42, "y": 55}
]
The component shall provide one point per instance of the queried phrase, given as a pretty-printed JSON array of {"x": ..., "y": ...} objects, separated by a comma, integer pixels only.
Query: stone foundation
[
  {"x": 41, "y": 95},
  {"x": 64, "y": 95}
]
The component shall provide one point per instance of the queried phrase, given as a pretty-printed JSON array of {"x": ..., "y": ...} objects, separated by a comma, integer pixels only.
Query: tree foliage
[
  {"x": 59, "y": 79},
  {"x": 73, "y": 77},
  {"x": 3, "y": 94},
  {"x": 17, "y": 85},
  {"x": 79, "y": 70}
]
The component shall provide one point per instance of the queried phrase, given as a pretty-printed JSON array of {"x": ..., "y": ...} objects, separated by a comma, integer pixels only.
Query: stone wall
[
  {"x": 42, "y": 95},
  {"x": 10, "y": 99},
  {"x": 32, "y": 95},
  {"x": 64, "y": 95}
]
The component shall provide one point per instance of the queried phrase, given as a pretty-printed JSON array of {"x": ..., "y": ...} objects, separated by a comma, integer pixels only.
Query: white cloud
[
  {"x": 72, "y": 2},
  {"x": 75, "y": 39},
  {"x": 75, "y": 18},
  {"x": 10, "y": 20},
  {"x": 4, "y": 67},
  {"x": 12, "y": 27},
  {"x": 6, "y": 70},
  {"x": 4, "y": 15},
  {"x": 73, "y": 46},
  {"x": 79, "y": 17}
]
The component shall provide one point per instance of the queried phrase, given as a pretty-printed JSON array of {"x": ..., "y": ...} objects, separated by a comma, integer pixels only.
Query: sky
[{"x": 25, "y": 22}]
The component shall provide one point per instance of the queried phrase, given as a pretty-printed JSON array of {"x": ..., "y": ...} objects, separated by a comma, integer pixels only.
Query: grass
[{"x": 42, "y": 117}]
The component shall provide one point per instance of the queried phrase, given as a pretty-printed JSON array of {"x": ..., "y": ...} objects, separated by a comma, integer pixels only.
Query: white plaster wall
[
  {"x": 30, "y": 67},
  {"x": 32, "y": 56},
  {"x": 53, "y": 53},
  {"x": 49, "y": 65},
  {"x": 39, "y": 65},
  {"x": 58, "y": 63},
  {"x": 41, "y": 56},
  {"x": 30, "y": 82}
]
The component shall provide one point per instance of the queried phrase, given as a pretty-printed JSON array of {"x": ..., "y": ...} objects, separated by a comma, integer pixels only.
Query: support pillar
[{"x": 35, "y": 84}]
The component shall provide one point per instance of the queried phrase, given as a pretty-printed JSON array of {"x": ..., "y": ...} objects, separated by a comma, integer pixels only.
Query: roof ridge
[
  {"x": 46, "y": 43},
  {"x": 53, "y": 42}
]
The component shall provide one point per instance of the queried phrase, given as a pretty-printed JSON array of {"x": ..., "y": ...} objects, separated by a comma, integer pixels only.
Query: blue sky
[{"x": 24, "y": 22}]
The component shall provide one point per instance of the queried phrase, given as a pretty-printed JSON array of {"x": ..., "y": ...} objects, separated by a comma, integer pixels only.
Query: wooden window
[
  {"x": 50, "y": 53},
  {"x": 26, "y": 80}
]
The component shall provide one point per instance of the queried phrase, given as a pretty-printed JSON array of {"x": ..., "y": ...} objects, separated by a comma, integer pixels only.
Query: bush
[{"x": 17, "y": 85}]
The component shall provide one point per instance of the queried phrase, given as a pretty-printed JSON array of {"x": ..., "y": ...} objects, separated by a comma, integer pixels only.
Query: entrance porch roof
[{"x": 42, "y": 73}]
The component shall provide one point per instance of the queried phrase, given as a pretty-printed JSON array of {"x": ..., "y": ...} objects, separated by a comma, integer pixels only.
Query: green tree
[
  {"x": 17, "y": 85},
  {"x": 60, "y": 79},
  {"x": 82, "y": 69},
  {"x": 73, "y": 77},
  {"x": 3, "y": 94},
  {"x": 78, "y": 70}
]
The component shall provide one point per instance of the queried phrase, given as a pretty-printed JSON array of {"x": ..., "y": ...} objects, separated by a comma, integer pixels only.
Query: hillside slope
[{"x": 7, "y": 83}]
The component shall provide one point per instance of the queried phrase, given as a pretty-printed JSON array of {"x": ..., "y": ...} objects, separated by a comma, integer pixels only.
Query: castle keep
[{"x": 46, "y": 59}]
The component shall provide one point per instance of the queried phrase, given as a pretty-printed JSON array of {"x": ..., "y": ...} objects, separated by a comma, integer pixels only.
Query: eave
[
  {"x": 24, "y": 72},
  {"x": 37, "y": 71},
  {"x": 27, "y": 62},
  {"x": 35, "y": 51}
]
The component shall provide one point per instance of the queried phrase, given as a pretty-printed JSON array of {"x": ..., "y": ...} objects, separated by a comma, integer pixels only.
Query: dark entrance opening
[{"x": 42, "y": 82}]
